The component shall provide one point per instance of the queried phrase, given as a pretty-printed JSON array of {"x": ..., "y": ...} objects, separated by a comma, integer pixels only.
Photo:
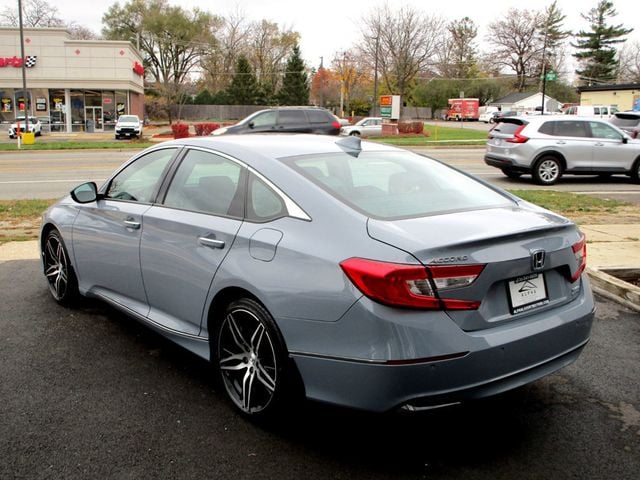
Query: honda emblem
[{"x": 537, "y": 260}]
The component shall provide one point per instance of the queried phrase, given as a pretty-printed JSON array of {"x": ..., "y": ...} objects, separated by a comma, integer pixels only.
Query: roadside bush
[
  {"x": 411, "y": 127},
  {"x": 204, "y": 129},
  {"x": 180, "y": 130}
]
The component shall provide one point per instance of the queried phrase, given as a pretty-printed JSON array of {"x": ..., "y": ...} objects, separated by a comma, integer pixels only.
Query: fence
[{"x": 237, "y": 112}]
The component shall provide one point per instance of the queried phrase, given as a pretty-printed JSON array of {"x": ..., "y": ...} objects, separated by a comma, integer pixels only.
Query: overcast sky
[{"x": 330, "y": 26}]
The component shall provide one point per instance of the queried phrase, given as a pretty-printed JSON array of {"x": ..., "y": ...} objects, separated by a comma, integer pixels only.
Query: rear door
[
  {"x": 293, "y": 121},
  {"x": 572, "y": 139},
  {"x": 187, "y": 236}
]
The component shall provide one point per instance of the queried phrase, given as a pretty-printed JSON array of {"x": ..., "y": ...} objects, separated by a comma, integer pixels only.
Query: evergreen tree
[
  {"x": 244, "y": 86},
  {"x": 596, "y": 48},
  {"x": 295, "y": 84}
]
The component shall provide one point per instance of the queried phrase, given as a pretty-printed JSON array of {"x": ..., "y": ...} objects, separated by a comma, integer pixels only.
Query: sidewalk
[{"x": 608, "y": 246}]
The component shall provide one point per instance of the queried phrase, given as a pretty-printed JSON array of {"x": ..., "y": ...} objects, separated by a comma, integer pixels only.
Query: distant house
[
  {"x": 625, "y": 96},
  {"x": 526, "y": 102}
]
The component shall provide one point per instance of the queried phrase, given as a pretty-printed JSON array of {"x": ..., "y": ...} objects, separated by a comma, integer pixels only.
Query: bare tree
[
  {"x": 403, "y": 41},
  {"x": 232, "y": 37},
  {"x": 457, "y": 58},
  {"x": 350, "y": 72},
  {"x": 35, "y": 13},
  {"x": 517, "y": 44},
  {"x": 629, "y": 63}
]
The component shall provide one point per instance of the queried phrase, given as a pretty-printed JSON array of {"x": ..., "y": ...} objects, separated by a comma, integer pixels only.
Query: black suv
[{"x": 286, "y": 119}]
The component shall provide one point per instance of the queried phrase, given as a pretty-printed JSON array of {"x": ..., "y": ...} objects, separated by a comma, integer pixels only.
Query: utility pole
[
  {"x": 544, "y": 66},
  {"x": 24, "y": 70},
  {"x": 375, "y": 78},
  {"x": 321, "y": 82}
]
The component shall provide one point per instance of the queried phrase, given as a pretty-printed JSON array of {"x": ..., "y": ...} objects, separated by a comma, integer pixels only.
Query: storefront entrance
[{"x": 93, "y": 119}]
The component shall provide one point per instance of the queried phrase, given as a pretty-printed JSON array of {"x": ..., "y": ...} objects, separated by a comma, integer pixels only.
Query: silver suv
[{"x": 548, "y": 147}]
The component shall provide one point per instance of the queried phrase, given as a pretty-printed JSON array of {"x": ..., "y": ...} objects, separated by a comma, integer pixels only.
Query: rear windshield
[
  {"x": 622, "y": 120},
  {"x": 507, "y": 128},
  {"x": 395, "y": 185}
]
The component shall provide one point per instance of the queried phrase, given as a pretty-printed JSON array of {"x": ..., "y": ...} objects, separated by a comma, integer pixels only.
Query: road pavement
[
  {"x": 90, "y": 393},
  {"x": 51, "y": 174}
]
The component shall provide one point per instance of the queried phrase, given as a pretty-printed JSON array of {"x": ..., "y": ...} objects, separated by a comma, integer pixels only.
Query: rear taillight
[
  {"x": 412, "y": 286},
  {"x": 580, "y": 251},
  {"x": 336, "y": 124},
  {"x": 517, "y": 138}
]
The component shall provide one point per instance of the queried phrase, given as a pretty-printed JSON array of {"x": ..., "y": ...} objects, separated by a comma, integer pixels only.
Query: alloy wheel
[
  {"x": 247, "y": 361},
  {"x": 548, "y": 171},
  {"x": 56, "y": 266}
]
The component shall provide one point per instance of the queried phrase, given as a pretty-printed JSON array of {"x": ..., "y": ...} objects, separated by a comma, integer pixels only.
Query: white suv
[
  {"x": 35, "y": 127},
  {"x": 128, "y": 126},
  {"x": 548, "y": 147}
]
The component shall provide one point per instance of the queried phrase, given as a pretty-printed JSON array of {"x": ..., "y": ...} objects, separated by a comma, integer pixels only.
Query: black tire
[
  {"x": 250, "y": 358},
  {"x": 511, "y": 173},
  {"x": 547, "y": 171},
  {"x": 354, "y": 134},
  {"x": 635, "y": 171},
  {"x": 62, "y": 281},
  {"x": 117, "y": 137},
  {"x": 39, "y": 134}
]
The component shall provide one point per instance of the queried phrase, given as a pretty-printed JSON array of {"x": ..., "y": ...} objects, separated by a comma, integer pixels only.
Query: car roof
[{"x": 275, "y": 145}]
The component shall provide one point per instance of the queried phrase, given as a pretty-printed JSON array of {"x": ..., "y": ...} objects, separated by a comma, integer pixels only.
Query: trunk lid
[{"x": 505, "y": 239}]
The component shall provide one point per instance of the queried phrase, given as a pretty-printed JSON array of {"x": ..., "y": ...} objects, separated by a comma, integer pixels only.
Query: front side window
[
  {"x": 394, "y": 185},
  {"x": 139, "y": 181},
  {"x": 265, "y": 119},
  {"x": 208, "y": 183},
  {"x": 602, "y": 130}
]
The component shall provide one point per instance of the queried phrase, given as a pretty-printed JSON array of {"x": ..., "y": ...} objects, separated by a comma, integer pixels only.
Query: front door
[
  {"x": 106, "y": 233},
  {"x": 95, "y": 122}
]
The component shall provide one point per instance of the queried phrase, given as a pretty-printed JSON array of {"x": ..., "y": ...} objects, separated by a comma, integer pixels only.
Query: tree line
[{"x": 194, "y": 56}]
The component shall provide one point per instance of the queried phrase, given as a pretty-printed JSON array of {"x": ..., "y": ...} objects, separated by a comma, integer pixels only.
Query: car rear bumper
[
  {"x": 501, "y": 162},
  {"x": 508, "y": 357}
]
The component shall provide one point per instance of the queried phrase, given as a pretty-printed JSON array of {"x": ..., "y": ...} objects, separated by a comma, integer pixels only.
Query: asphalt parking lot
[{"x": 89, "y": 393}]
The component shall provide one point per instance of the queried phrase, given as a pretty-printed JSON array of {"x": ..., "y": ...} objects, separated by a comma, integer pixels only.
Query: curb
[{"x": 615, "y": 289}]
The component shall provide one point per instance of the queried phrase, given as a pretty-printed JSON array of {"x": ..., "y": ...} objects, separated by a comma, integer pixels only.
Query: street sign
[{"x": 552, "y": 76}]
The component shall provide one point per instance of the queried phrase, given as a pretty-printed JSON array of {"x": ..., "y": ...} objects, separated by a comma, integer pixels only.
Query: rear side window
[
  {"x": 571, "y": 128},
  {"x": 292, "y": 116},
  {"x": 395, "y": 185},
  {"x": 318, "y": 116},
  {"x": 547, "y": 128},
  {"x": 263, "y": 203}
]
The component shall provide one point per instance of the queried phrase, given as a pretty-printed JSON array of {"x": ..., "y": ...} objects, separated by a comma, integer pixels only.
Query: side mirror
[
  {"x": 85, "y": 193},
  {"x": 251, "y": 125},
  {"x": 625, "y": 139}
]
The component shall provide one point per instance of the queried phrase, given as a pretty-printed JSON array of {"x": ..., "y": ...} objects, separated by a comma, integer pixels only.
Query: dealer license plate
[{"x": 527, "y": 292}]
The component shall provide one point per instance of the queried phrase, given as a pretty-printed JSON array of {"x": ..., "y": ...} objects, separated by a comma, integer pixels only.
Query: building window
[
  {"x": 77, "y": 111},
  {"x": 121, "y": 103}
]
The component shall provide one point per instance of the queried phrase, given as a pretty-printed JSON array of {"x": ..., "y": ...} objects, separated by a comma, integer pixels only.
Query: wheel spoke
[
  {"x": 52, "y": 254},
  {"x": 51, "y": 271},
  {"x": 247, "y": 386},
  {"x": 256, "y": 338},
  {"x": 233, "y": 362},
  {"x": 237, "y": 334},
  {"x": 265, "y": 378}
]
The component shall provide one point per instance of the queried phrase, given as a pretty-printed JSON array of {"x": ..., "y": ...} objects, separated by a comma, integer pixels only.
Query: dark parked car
[
  {"x": 287, "y": 120},
  {"x": 628, "y": 122},
  {"x": 354, "y": 273}
]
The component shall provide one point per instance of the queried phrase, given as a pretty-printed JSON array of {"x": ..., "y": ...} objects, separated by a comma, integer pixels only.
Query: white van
[
  {"x": 487, "y": 114},
  {"x": 601, "y": 111}
]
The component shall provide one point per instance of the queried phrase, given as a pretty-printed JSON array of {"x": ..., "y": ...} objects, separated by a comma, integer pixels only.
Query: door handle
[
  {"x": 131, "y": 223},
  {"x": 599, "y": 144},
  {"x": 561, "y": 142},
  {"x": 211, "y": 242}
]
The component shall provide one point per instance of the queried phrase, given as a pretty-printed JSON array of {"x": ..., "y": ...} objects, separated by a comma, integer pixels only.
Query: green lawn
[
  {"x": 74, "y": 145},
  {"x": 457, "y": 135},
  {"x": 567, "y": 203}
]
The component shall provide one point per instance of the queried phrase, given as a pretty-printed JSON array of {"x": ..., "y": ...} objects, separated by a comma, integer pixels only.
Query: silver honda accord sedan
[{"x": 353, "y": 273}]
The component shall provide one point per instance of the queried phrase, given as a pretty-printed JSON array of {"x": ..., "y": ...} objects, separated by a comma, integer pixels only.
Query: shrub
[
  {"x": 411, "y": 127},
  {"x": 204, "y": 129},
  {"x": 180, "y": 130}
]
